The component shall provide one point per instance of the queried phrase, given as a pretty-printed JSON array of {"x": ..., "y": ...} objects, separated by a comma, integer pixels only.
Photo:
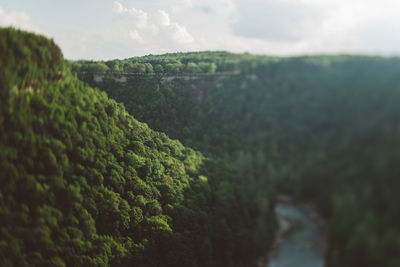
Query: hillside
[
  {"x": 324, "y": 129},
  {"x": 83, "y": 183}
]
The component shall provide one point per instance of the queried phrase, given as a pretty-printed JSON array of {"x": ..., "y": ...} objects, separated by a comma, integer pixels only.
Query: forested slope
[
  {"x": 82, "y": 183},
  {"x": 324, "y": 129}
]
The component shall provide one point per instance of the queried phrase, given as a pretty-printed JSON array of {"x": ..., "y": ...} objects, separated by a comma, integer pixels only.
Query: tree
[
  {"x": 135, "y": 68},
  {"x": 174, "y": 67},
  {"x": 149, "y": 68},
  {"x": 159, "y": 68},
  {"x": 192, "y": 67},
  {"x": 97, "y": 67}
]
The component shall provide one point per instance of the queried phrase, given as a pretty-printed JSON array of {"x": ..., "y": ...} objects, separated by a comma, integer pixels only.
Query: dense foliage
[
  {"x": 175, "y": 63},
  {"x": 82, "y": 183},
  {"x": 324, "y": 129}
]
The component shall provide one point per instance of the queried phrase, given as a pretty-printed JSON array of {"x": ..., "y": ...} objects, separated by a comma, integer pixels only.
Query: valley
[{"x": 179, "y": 159}]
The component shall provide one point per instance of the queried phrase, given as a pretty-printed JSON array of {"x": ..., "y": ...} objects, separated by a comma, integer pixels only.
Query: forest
[
  {"x": 180, "y": 164},
  {"x": 322, "y": 129},
  {"x": 83, "y": 183}
]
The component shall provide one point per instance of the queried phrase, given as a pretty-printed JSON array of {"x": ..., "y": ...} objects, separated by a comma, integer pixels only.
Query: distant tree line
[{"x": 204, "y": 62}]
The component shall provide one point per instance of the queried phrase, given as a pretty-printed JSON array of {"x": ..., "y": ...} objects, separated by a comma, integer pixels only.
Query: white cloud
[
  {"x": 135, "y": 36},
  {"x": 347, "y": 25},
  {"x": 287, "y": 27},
  {"x": 138, "y": 17},
  {"x": 180, "y": 34},
  {"x": 148, "y": 32},
  {"x": 16, "y": 19},
  {"x": 162, "y": 18}
]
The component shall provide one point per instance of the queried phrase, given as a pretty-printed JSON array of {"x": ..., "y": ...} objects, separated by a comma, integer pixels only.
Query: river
[{"x": 301, "y": 243}]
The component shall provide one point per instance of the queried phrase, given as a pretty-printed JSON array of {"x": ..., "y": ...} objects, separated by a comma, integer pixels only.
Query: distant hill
[{"x": 83, "y": 183}]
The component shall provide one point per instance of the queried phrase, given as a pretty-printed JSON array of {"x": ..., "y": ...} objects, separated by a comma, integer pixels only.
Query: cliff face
[
  {"x": 199, "y": 84},
  {"x": 123, "y": 78},
  {"x": 118, "y": 78}
]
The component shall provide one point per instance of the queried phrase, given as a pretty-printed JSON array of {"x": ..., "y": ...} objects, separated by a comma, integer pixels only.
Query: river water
[{"x": 301, "y": 245}]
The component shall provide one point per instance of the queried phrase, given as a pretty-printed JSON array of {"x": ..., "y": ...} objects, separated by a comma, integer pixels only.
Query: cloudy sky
[{"x": 105, "y": 29}]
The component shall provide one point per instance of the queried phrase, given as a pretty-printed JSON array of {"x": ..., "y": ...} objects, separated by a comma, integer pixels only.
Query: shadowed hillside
[{"x": 324, "y": 129}]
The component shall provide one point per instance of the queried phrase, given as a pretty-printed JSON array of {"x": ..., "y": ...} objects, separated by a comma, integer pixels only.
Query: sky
[{"x": 108, "y": 29}]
